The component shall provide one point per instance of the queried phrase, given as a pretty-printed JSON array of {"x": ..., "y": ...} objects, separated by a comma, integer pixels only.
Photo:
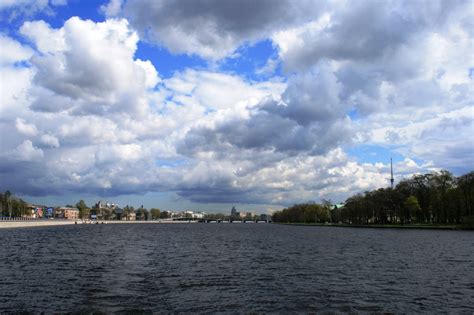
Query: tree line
[
  {"x": 15, "y": 207},
  {"x": 110, "y": 213},
  {"x": 11, "y": 206},
  {"x": 310, "y": 212},
  {"x": 433, "y": 198}
]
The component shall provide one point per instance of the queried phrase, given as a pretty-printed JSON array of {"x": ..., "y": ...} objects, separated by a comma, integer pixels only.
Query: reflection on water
[{"x": 229, "y": 268}]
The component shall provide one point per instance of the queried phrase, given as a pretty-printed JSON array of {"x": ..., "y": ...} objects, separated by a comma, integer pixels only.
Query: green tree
[
  {"x": 165, "y": 215},
  {"x": 7, "y": 197},
  {"x": 155, "y": 213},
  {"x": 466, "y": 195},
  {"x": 84, "y": 211},
  {"x": 140, "y": 214},
  {"x": 412, "y": 207}
]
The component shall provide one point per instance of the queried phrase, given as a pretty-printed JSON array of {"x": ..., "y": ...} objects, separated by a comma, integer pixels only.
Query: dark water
[{"x": 234, "y": 268}]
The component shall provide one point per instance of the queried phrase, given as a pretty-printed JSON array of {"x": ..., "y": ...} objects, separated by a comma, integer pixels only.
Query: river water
[{"x": 234, "y": 268}]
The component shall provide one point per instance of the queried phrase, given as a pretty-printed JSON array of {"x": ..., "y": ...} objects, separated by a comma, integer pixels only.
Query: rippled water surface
[{"x": 234, "y": 268}]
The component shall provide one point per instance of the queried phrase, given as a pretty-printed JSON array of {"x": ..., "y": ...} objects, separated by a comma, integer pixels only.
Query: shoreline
[
  {"x": 385, "y": 226},
  {"x": 40, "y": 223},
  {"x": 34, "y": 223},
  {"x": 56, "y": 222}
]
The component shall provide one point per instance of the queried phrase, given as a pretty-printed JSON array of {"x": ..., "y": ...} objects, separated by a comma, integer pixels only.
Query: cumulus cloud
[
  {"x": 84, "y": 114},
  {"x": 363, "y": 31},
  {"x": 88, "y": 68},
  {"x": 112, "y": 8},
  {"x": 12, "y": 51},
  {"x": 14, "y": 77},
  {"x": 212, "y": 29},
  {"x": 288, "y": 180},
  {"x": 14, "y": 9},
  {"x": 308, "y": 118},
  {"x": 50, "y": 140},
  {"x": 25, "y": 128},
  {"x": 27, "y": 152},
  {"x": 45, "y": 38}
]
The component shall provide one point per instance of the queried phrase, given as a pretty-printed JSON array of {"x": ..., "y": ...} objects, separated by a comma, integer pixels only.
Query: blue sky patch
[
  {"x": 249, "y": 59},
  {"x": 165, "y": 62},
  {"x": 368, "y": 153}
]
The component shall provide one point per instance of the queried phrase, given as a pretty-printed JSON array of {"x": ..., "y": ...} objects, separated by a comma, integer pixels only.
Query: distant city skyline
[
  {"x": 204, "y": 105},
  {"x": 149, "y": 202}
]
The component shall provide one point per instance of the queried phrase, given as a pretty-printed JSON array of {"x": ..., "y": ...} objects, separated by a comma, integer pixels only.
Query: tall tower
[{"x": 391, "y": 173}]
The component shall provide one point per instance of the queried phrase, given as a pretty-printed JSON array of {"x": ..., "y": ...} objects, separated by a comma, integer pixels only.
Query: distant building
[
  {"x": 39, "y": 211},
  {"x": 192, "y": 215},
  {"x": 119, "y": 214},
  {"x": 66, "y": 213},
  {"x": 125, "y": 214},
  {"x": 235, "y": 215},
  {"x": 132, "y": 216},
  {"x": 104, "y": 210},
  {"x": 34, "y": 211},
  {"x": 105, "y": 205}
]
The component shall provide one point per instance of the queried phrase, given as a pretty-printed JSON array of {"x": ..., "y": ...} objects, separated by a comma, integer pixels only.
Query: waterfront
[
  {"x": 55, "y": 222},
  {"x": 237, "y": 267}
]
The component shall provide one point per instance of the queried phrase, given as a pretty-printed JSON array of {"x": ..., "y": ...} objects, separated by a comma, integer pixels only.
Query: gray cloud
[
  {"x": 214, "y": 28},
  {"x": 87, "y": 117},
  {"x": 83, "y": 69},
  {"x": 310, "y": 118},
  {"x": 366, "y": 31},
  {"x": 13, "y": 10}
]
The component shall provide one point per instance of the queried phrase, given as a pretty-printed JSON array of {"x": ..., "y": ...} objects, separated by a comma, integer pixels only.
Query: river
[{"x": 234, "y": 268}]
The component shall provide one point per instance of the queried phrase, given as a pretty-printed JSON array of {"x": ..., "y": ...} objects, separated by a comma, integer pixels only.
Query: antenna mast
[{"x": 391, "y": 173}]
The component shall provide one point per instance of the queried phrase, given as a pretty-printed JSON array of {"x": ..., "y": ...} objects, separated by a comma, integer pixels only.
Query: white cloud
[
  {"x": 218, "y": 90},
  {"x": 14, "y": 79},
  {"x": 212, "y": 29},
  {"x": 89, "y": 68},
  {"x": 151, "y": 77},
  {"x": 50, "y": 140},
  {"x": 27, "y": 152},
  {"x": 45, "y": 38},
  {"x": 12, "y": 51},
  {"x": 17, "y": 3},
  {"x": 85, "y": 115},
  {"x": 112, "y": 8},
  {"x": 25, "y": 128},
  {"x": 14, "y": 9}
]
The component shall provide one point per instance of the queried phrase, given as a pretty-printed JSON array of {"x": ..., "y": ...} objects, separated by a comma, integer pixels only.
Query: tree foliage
[
  {"x": 155, "y": 213},
  {"x": 12, "y": 206},
  {"x": 84, "y": 211},
  {"x": 433, "y": 198},
  {"x": 304, "y": 213}
]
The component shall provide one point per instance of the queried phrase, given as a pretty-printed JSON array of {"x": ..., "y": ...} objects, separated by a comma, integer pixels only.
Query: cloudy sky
[{"x": 203, "y": 104}]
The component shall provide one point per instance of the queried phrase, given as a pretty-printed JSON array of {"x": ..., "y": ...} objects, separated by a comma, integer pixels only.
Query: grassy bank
[{"x": 389, "y": 226}]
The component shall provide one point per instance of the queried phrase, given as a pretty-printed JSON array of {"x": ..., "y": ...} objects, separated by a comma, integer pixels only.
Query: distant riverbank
[
  {"x": 39, "y": 223},
  {"x": 388, "y": 226},
  {"x": 56, "y": 222},
  {"x": 33, "y": 223}
]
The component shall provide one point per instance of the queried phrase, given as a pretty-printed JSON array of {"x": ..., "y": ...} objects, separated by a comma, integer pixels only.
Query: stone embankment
[{"x": 36, "y": 223}]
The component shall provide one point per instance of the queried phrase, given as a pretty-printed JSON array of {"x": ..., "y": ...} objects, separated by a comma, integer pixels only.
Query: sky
[{"x": 206, "y": 104}]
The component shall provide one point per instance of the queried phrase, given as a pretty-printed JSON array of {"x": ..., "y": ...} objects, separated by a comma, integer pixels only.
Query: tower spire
[{"x": 391, "y": 173}]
